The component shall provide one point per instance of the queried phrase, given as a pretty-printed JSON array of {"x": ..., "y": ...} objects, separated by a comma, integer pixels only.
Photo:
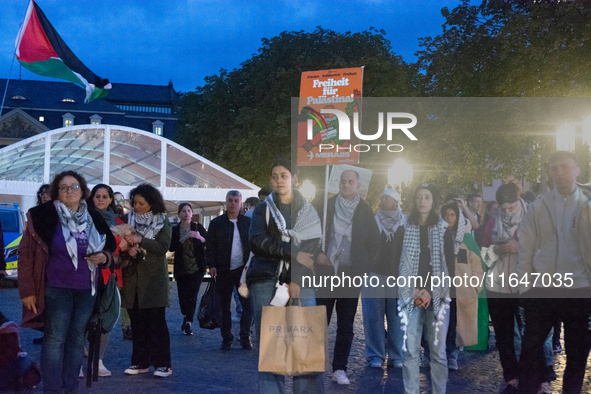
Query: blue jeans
[
  {"x": 261, "y": 294},
  {"x": 377, "y": 302},
  {"x": 421, "y": 321},
  {"x": 67, "y": 312}
]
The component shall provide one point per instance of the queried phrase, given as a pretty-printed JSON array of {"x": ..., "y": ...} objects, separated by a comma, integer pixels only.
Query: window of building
[
  {"x": 42, "y": 119},
  {"x": 95, "y": 119},
  {"x": 68, "y": 119},
  {"x": 158, "y": 127},
  {"x": 68, "y": 100}
]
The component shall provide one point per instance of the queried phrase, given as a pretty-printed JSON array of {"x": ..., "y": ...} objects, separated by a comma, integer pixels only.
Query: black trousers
[
  {"x": 188, "y": 287},
  {"x": 151, "y": 340},
  {"x": 539, "y": 317},
  {"x": 503, "y": 310},
  {"x": 346, "y": 310},
  {"x": 226, "y": 281}
]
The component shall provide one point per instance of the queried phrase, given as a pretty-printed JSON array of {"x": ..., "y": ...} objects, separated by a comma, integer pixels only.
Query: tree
[
  {"x": 241, "y": 119},
  {"x": 505, "y": 49}
]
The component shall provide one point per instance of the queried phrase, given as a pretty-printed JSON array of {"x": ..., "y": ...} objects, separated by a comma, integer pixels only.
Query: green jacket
[{"x": 149, "y": 278}]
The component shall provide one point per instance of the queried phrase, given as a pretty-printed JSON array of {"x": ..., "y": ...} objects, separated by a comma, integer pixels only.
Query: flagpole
[{"x": 6, "y": 88}]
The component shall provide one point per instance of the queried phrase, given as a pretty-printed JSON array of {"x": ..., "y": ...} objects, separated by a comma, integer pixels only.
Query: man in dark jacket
[
  {"x": 227, "y": 251},
  {"x": 352, "y": 244}
]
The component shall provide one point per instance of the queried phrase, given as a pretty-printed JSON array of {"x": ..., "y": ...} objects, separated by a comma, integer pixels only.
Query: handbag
[
  {"x": 210, "y": 311},
  {"x": 293, "y": 340}
]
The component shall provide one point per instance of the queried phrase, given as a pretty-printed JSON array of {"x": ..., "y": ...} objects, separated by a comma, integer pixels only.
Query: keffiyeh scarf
[
  {"x": 344, "y": 209},
  {"x": 76, "y": 223},
  {"x": 409, "y": 266},
  {"x": 147, "y": 224},
  {"x": 506, "y": 223},
  {"x": 389, "y": 221},
  {"x": 306, "y": 226}
]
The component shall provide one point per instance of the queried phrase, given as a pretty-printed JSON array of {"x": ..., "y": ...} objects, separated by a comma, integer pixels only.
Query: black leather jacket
[{"x": 269, "y": 249}]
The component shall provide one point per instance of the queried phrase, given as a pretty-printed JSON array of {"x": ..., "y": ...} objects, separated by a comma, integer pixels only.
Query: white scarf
[
  {"x": 389, "y": 221},
  {"x": 147, "y": 224},
  {"x": 506, "y": 223},
  {"x": 306, "y": 226},
  {"x": 80, "y": 222}
]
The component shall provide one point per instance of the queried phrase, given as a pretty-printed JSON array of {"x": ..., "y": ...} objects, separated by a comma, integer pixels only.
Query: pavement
[{"x": 199, "y": 366}]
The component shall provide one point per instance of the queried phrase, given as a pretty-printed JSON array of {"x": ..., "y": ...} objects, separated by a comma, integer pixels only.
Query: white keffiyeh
[
  {"x": 76, "y": 223},
  {"x": 506, "y": 223},
  {"x": 389, "y": 221}
]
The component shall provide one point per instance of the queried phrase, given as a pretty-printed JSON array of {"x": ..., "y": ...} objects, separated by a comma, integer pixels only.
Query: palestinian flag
[{"x": 40, "y": 49}]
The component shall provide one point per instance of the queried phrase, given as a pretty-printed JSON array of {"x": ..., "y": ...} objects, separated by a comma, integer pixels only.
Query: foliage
[{"x": 241, "y": 119}]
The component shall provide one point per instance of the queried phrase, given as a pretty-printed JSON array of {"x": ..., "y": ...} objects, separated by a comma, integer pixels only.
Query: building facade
[{"x": 33, "y": 107}]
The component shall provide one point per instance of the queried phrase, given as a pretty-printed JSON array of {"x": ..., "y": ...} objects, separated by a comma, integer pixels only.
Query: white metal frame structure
[{"x": 122, "y": 157}]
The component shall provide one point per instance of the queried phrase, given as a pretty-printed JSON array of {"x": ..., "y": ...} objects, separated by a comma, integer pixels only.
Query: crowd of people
[{"x": 415, "y": 322}]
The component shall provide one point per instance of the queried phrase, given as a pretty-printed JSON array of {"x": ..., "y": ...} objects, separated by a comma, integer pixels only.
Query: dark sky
[{"x": 152, "y": 42}]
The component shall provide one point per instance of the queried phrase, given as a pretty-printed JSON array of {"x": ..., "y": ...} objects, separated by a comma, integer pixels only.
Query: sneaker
[
  {"x": 511, "y": 387},
  {"x": 392, "y": 364},
  {"x": 163, "y": 372},
  {"x": 340, "y": 377},
  {"x": 135, "y": 369},
  {"x": 102, "y": 371},
  {"x": 81, "y": 374},
  {"x": 376, "y": 364},
  {"x": 188, "y": 330},
  {"x": 556, "y": 347},
  {"x": 452, "y": 364},
  {"x": 226, "y": 346},
  {"x": 544, "y": 388},
  {"x": 246, "y": 345}
]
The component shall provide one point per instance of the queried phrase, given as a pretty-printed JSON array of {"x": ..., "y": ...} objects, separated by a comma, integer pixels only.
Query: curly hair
[
  {"x": 42, "y": 189},
  {"x": 151, "y": 195},
  {"x": 90, "y": 199},
  {"x": 54, "y": 189}
]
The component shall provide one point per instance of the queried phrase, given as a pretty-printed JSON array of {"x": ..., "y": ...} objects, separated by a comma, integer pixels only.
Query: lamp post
[
  {"x": 400, "y": 173},
  {"x": 565, "y": 137},
  {"x": 308, "y": 190}
]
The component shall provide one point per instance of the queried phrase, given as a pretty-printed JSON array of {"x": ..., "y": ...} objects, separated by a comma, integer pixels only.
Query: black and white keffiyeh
[
  {"x": 345, "y": 209},
  {"x": 506, "y": 223},
  {"x": 459, "y": 235},
  {"x": 147, "y": 224},
  {"x": 76, "y": 223},
  {"x": 307, "y": 224},
  {"x": 409, "y": 263},
  {"x": 389, "y": 221}
]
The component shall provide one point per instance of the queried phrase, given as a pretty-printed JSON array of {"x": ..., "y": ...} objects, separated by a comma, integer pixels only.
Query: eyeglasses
[
  {"x": 119, "y": 202},
  {"x": 66, "y": 188}
]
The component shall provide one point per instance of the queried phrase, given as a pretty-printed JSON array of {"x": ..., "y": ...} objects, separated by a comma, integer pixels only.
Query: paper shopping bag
[{"x": 293, "y": 340}]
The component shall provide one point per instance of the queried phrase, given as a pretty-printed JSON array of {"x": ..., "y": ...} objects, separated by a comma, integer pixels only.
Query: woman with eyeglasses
[{"x": 60, "y": 255}]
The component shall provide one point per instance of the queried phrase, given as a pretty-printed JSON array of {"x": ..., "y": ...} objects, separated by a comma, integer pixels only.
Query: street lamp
[
  {"x": 308, "y": 190},
  {"x": 565, "y": 137},
  {"x": 400, "y": 173}
]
